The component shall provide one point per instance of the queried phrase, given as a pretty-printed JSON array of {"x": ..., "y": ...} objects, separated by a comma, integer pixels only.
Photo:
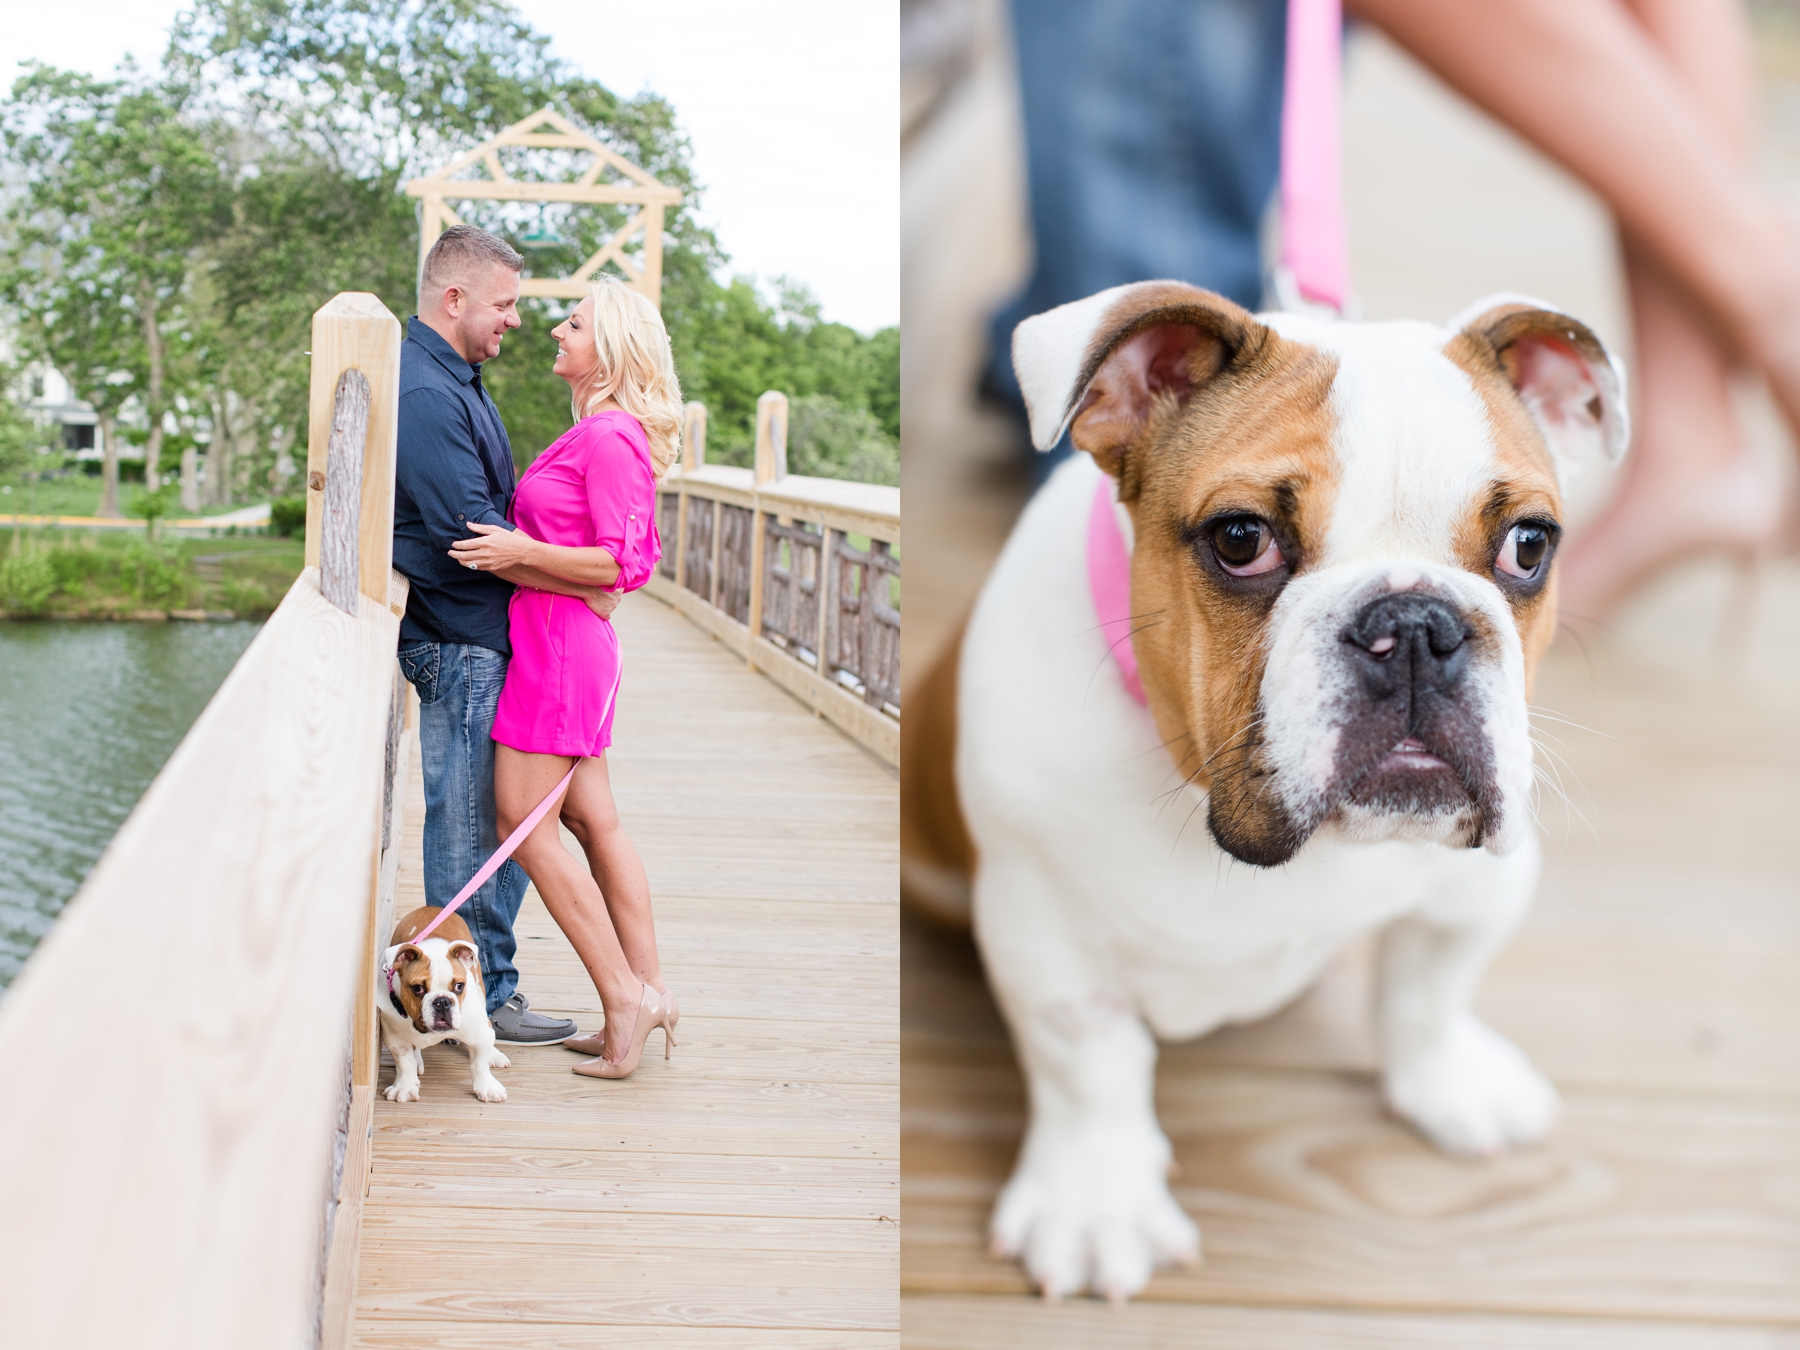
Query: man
[{"x": 455, "y": 469}]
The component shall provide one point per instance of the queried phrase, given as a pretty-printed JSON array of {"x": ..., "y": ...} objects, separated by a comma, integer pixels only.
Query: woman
[{"x": 586, "y": 515}]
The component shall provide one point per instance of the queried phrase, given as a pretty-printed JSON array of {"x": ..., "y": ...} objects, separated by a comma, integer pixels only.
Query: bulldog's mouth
[
  {"x": 1410, "y": 756},
  {"x": 1411, "y": 779}
]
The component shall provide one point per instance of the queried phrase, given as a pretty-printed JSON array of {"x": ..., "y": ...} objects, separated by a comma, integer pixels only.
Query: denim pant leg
[
  {"x": 459, "y": 690},
  {"x": 1153, "y": 140}
]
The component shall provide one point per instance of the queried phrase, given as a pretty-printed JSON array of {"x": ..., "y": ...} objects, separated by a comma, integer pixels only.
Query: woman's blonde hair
[{"x": 636, "y": 368}]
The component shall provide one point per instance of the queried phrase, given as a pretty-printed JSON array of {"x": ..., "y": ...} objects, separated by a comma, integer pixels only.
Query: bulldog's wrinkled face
[
  {"x": 1343, "y": 546},
  {"x": 432, "y": 978}
]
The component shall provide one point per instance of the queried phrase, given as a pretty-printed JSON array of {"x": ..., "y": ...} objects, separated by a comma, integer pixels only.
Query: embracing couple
[{"x": 508, "y": 636}]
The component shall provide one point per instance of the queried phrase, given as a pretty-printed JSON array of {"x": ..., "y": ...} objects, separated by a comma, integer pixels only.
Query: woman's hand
[
  {"x": 494, "y": 547},
  {"x": 603, "y": 603}
]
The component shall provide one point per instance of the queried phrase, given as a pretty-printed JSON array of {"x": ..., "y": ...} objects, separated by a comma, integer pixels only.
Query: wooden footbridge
[{"x": 194, "y": 1151}]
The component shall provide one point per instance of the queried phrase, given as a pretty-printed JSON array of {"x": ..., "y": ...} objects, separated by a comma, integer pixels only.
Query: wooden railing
[
  {"x": 800, "y": 576},
  {"x": 183, "y": 1147}
]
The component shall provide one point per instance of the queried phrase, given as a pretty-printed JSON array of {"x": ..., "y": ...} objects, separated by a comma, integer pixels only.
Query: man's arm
[{"x": 440, "y": 468}]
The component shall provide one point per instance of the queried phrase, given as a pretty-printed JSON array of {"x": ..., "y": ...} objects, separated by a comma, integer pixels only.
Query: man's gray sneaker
[{"x": 515, "y": 1024}]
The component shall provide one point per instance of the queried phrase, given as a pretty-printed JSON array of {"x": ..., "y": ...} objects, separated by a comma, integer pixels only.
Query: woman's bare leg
[
  {"x": 1691, "y": 482},
  {"x": 593, "y": 818},
  {"x": 1590, "y": 83},
  {"x": 569, "y": 892}
]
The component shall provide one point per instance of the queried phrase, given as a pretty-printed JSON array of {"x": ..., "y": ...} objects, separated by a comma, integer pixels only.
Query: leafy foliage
[
  {"x": 828, "y": 440},
  {"x": 171, "y": 237}
]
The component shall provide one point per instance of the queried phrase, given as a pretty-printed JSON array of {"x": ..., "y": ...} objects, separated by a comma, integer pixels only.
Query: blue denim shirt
[{"x": 454, "y": 465}]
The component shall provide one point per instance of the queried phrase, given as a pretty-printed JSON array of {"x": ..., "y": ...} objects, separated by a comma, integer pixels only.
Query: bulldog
[
  {"x": 431, "y": 991},
  {"x": 1283, "y": 611}
]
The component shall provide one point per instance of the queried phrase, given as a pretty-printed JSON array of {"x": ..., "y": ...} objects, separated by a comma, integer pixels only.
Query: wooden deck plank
[
  {"x": 948, "y": 1322},
  {"x": 744, "y": 1193},
  {"x": 539, "y": 1336}
]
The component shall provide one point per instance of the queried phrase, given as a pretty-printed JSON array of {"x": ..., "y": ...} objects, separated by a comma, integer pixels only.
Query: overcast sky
[{"x": 792, "y": 107}]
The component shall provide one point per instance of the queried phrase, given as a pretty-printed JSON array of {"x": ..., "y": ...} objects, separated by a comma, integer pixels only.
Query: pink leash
[
  {"x": 1314, "y": 247},
  {"x": 500, "y": 855}
]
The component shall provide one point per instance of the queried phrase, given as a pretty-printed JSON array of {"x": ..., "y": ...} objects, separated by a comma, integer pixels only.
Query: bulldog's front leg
[
  {"x": 1088, "y": 1205},
  {"x": 484, "y": 1058},
  {"x": 1465, "y": 1087},
  {"x": 408, "y": 1061}
]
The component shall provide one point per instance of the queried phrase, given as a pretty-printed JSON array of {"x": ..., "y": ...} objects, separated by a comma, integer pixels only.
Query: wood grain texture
[
  {"x": 172, "y": 1083},
  {"x": 744, "y": 1193},
  {"x": 342, "y": 1258},
  {"x": 949, "y": 1322},
  {"x": 355, "y": 331},
  {"x": 338, "y": 527}
]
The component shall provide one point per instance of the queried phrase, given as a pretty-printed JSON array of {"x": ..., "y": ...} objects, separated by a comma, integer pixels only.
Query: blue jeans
[
  {"x": 459, "y": 689},
  {"x": 1152, "y": 139}
]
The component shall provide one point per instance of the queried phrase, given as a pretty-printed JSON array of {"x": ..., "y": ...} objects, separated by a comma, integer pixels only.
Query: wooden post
[
  {"x": 771, "y": 467},
  {"x": 693, "y": 436},
  {"x": 771, "y": 438},
  {"x": 718, "y": 531},
  {"x": 650, "y": 284},
  {"x": 693, "y": 455},
  {"x": 354, "y": 330},
  {"x": 826, "y": 599}
]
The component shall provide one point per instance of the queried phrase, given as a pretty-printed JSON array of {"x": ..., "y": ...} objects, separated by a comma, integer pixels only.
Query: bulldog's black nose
[
  {"x": 442, "y": 1004},
  {"x": 1408, "y": 643}
]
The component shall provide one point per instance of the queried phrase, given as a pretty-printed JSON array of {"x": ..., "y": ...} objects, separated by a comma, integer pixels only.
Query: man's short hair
[{"x": 462, "y": 252}]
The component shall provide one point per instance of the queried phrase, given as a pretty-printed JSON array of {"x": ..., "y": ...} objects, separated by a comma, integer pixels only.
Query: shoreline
[{"x": 135, "y": 616}]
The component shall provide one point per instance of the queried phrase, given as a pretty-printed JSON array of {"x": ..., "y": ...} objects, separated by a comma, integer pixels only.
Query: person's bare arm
[
  {"x": 495, "y": 548},
  {"x": 602, "y": 602}
]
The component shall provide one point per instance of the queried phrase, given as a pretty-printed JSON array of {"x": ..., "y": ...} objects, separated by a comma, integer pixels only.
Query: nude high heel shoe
[
  {"x": 594, "y": 1044},
  {"x": 652, "y": 1012}
]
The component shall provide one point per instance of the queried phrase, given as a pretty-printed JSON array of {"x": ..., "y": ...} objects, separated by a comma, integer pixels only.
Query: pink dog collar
[{"x": 1109, "y": 580}]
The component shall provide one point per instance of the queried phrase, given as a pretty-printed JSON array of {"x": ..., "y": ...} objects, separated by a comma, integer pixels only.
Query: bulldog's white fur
[
  {"x": 445, "y": 1013},
  {"x": 1106, "y": 913}
]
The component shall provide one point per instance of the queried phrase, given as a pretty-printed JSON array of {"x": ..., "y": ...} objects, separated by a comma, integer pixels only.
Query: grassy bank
[
  {"x": 78, "y": 495},
  {"x": 114, "y": 574}
]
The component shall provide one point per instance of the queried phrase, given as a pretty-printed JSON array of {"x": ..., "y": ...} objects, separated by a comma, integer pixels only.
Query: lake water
[{"x": 88, "y": 713}]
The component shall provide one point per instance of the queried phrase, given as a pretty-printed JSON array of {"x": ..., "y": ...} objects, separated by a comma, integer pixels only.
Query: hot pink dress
[{"x": 595, "y": 487}]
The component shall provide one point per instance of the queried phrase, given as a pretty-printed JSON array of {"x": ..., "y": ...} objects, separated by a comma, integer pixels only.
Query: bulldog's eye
[
  {"x": 1245, "y": 546},
  {"x": 459, "y": 986},
  {"x": 1527, "y": 546},
  {"x": 418, "y": 989}
]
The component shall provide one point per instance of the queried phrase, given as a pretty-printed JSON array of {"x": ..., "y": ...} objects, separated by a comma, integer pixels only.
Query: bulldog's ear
[
  {"x": 1103, "y": 363},
  {"x": 1568, "y": 381},
  {"x": 406, "y": 954},
  {"x": 464, "y": 951}
]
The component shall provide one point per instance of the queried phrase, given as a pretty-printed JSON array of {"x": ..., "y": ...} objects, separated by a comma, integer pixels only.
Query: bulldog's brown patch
[
  {"x": 1245, "y": 428},
  {"x": 1523, "y": 487}
]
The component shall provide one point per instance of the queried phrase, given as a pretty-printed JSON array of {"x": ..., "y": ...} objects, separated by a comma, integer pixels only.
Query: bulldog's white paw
[
  {"x": 498, "y": 1060},
  {"x": 1472, "y": 1091},
  {"x": 1092, "y": 1209},
  {"x": 403, "y": 1092},
  {"x": 489, "y": 1089}
]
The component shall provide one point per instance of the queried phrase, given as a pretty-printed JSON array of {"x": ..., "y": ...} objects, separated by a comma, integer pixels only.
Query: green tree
[{"x": 119, "y": 192}]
